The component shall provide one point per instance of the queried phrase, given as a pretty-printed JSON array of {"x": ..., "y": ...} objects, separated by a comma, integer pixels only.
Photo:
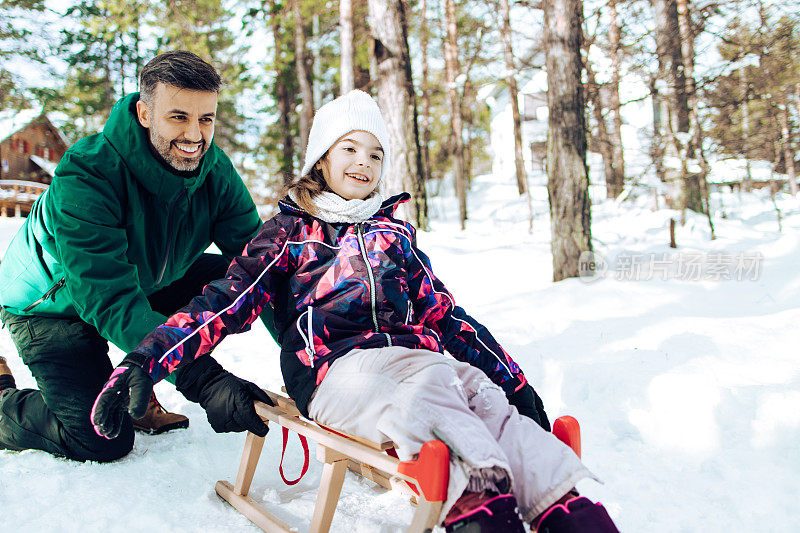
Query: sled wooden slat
[
  {"x": 338, "y": 453},
  {"x": 286, "y": 404},
  {"x": 247, "y": 466},
  {"x": 252, "y": 509}
]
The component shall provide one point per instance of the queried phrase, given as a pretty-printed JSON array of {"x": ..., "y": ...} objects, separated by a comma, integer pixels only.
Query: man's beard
[{"x": 182, "y": 164}]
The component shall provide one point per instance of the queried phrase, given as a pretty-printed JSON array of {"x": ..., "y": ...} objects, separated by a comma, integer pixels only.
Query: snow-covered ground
[{"x": 681, "y": 365}]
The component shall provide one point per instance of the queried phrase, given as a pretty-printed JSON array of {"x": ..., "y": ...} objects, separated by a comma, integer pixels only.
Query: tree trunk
[
  {"x": 468, "y": 102},
  {"x": 346, "y": 32},
  {"x": 108, "y": 87},
  {"x": 397, "y": 100},
  {"x": 695, "y": 145},
  {"x": 316, "y": 65},
  {"x": 307, "y": 93},
  {"x": 511, "y": 80},
  {"x": 121, "y": 69},
  {"x": 786, "y": 142},
  {"x": 745, "y": 87},
  {"x": 284, "y": 106},
  {"x": 683, "y": 188},
  {"x": 604, "y": 141},
  {"x": 687, "y": 57},
  {"x": 425, "y": 141},
  {"x": 657, "y": 146},
  {"x": 567, "y": 176},
  {"x": 618, "y": 156},
  {"x": 451, "y": 73}
]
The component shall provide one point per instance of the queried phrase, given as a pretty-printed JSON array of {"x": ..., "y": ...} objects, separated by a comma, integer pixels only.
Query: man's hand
[
  {"x": 227, "y": 399},
  {"x": 128, "y": 389},
  {"x": 228, "y": 402}
]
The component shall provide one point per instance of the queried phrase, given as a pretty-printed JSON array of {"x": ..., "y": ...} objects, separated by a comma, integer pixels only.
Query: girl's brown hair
[{"x": 307, "y": 187}]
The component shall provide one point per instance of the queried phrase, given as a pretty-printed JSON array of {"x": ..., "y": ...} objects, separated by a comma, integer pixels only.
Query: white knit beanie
[{"x": 354, "y": 111}]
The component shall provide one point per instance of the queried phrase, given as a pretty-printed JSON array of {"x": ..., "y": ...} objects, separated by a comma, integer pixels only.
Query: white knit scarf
[{"x": 332, "y": 208}]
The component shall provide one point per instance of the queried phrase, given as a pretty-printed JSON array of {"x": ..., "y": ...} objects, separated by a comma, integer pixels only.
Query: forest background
[{"x": 723, "y": 79}]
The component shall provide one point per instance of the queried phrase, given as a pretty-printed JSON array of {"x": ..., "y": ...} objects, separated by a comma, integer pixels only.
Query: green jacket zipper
[
  {"x": 172, "y": 234},
  {"x": 51, "y": 293},
  {"x": 372, "y": 291}
]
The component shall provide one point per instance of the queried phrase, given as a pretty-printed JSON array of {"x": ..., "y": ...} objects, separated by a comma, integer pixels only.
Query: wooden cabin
[{"x": 30, "y": 150}]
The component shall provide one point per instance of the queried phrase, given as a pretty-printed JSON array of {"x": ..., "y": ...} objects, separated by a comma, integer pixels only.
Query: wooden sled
[{"x": 424, "y": 479}]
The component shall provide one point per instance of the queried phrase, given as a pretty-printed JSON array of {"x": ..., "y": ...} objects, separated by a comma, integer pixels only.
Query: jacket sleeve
[
  {"x": 462, "y": 336},
  {"x": 237, "y": 222},
  {"x": 91, "y": 245},
  {"x": 226, "y": 306}
]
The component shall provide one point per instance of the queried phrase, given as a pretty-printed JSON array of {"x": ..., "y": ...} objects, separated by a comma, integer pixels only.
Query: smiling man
[
  {"x": 180, "y": 122},
  {"x": 114, "y": 246}
]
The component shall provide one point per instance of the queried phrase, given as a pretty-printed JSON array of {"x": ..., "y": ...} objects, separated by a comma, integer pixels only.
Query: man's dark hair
[{"x": 178, "y": 68}]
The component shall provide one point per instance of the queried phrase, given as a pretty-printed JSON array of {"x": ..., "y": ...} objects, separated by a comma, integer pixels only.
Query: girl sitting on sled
[{"x": 363, "y": 325}]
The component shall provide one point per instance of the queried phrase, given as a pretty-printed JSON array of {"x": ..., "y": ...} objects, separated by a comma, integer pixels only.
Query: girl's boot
[
  {"x": 577, "y": 515},
  {"x": 484, "y": 512}
]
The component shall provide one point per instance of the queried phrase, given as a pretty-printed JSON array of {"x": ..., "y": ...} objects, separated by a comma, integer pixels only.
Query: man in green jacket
[{"x": 114, "y": 246}]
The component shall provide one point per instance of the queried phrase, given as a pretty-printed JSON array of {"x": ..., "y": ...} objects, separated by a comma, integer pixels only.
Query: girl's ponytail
[{"x": 306, "y": 188}]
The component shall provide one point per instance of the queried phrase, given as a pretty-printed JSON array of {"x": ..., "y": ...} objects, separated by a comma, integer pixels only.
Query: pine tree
[
  {"x": 346, "y": 25},
  {"x": 284, "y": 87},
  {"x": 511, "y": 80},
  {"x": 748, "y": 115},
  {"x": 201, "y": 26},
  {"x": 452, "y": 71},
  {"x": 425, "y": 97},
  {"x": 567, "y": 176},
  {"x": 13, "y": 44},
  {"x": 304, "y": 68},
  {"x": 683, "y": 187},
  {"x": 615, "y": 135},
  {"x": 397, "y": 100},
  {"x": 103, "y": 58}
]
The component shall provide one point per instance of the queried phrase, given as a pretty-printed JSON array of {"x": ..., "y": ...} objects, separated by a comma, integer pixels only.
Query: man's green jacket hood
[{"x": 116, "y": 225}]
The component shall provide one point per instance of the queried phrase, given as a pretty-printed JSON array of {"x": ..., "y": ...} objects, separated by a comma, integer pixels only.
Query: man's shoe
[
  {"x": 578, "y": 515},
  {"x": 484, "y": 512},
  {"x": 6, "y": 378},
  {"x": 158, "y": 420}
]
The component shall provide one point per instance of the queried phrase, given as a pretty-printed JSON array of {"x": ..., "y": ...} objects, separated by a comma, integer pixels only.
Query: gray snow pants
[{"x": 413, "y": 396}]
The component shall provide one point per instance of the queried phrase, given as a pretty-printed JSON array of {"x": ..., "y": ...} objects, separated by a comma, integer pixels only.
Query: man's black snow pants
[{"x": 69, "y": 360}]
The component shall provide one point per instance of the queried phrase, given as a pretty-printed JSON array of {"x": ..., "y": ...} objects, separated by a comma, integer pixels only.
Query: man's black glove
[
  {"x": 128, "y": 389},
  {"x": 227, "y": 399},
  {"x": 529, "y": 404}
]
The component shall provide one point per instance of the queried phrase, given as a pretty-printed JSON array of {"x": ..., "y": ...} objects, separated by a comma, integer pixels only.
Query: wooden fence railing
[{"x": 17, "y": 196}]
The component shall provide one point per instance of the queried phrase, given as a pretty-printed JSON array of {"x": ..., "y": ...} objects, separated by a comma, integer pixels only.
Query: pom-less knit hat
[{"x": 354, "y": 111}]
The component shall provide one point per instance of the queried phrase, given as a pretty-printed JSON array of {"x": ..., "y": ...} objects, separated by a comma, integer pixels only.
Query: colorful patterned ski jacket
[{"x": 333, "y": 288}]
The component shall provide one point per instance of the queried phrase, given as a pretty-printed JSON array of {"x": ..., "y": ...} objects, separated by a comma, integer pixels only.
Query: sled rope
[{"x": 304, "y": 443}]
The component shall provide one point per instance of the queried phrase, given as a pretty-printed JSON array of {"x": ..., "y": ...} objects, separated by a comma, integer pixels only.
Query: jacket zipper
[
  {"x": 51, "y": 293},
  {"x": 309, "y": 327},
  {"x": 172, "y": 234},
  {"x": 372, "y": 291}
]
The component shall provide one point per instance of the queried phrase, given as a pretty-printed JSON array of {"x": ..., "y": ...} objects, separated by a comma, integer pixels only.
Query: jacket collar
[
  {"x": 130, "y": 141},
  {"x": 390, "y": 205}
]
